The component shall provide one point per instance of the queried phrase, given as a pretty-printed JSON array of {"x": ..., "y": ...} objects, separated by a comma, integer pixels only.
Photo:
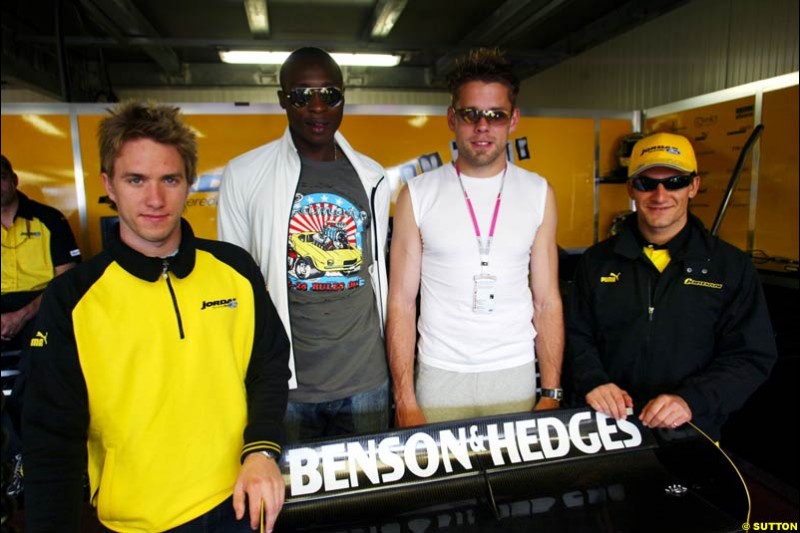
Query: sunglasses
[
  {"x": 672, "y": 183},
  {"x": 330, "y": 96},
  {"x": 471, "y": 115}
]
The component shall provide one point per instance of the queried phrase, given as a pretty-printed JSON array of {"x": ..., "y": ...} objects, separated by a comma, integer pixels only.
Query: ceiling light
[
  {"x": 386, "y": 14},
  {"x": 253, "y": 57},
  {"x": 257, "y": 17},
  {"x": 258, "y": 57},
  {"x": 367, "y": 60}
]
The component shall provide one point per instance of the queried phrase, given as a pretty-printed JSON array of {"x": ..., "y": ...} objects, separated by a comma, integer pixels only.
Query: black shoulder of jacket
[
  {"x": 236, "y": 257},
  {"x": 731, "y": 255},
  {"x": 70, "y": 286},
  {"x": 714, "y": 246},
  {"x": 606, "y": 247}
]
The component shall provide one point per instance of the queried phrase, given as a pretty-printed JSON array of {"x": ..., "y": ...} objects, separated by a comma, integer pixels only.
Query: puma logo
[{"x": 611, "y": 278}]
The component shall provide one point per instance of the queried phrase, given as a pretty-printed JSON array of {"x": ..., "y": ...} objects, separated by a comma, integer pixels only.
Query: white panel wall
[
  {"x": 701, "y": 47},
  {"x": 763, "y": 40}
]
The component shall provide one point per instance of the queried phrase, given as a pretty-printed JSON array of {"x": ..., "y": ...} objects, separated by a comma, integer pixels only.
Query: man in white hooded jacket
[{"x": 314, "y": 215}]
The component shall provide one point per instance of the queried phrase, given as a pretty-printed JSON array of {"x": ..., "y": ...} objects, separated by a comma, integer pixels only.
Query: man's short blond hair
[{"x": 133, "y": 120}]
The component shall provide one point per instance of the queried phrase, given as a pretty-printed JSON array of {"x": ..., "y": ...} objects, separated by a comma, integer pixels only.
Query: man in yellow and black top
[
  {"x": 162, "y": 356},
  {"x": 38, "y": 245}
]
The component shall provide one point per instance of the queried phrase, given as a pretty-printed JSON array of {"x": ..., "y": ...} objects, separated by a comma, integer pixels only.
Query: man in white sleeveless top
[{"x": 477, "y": 238}]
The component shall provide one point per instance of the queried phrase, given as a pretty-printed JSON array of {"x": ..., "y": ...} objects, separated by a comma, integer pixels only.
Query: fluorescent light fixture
[
  {"x": 277, "y": 58},
  {"x": 257, "y": 17},
  {"x": 367, "y": 60},
  {"x": 385, "y": 16},
  {"x": 253, "y": 57}
]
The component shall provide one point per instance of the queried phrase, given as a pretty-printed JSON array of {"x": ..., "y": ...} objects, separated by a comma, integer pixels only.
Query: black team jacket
[{"x": 699, "y": 330}]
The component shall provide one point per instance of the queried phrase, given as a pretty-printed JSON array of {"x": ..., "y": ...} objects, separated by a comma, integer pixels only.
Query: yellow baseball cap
[{"x": 662, "y": 150}]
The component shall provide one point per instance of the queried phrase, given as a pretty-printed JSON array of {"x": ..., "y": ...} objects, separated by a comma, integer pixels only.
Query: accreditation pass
[{"x": 484, "y": 286}]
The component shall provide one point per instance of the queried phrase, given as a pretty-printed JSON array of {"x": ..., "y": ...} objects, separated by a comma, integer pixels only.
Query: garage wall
[{"x": 702, "y": 47}]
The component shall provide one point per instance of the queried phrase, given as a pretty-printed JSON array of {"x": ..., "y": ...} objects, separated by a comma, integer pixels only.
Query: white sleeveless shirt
[{"x": 452, "y": 336}]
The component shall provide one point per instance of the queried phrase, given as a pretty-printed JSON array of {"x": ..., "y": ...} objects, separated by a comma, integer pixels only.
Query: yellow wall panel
[
  {"x": 776, "y": 230},
  {"x": 562, "y": 150},
  {"x": 613, "y": 198},
  {"x": 93, "y": 183},
  {"x": 612, "y": 131},
  {"x": 39, "y": 148}
]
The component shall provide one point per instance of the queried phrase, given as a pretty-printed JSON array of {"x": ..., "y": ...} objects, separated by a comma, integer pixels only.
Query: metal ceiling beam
[
  {"x": 257, "y": 18},
  {"x": 224, "y": 75},
  {"x": 383, "y": 18},
  {"x": 122, "y": 20},
  {"x": 626, "y": 17},
  {"x": 25, "y": 73},
  {"x": 250, "y": 44},
  {"x": 487, "y": 33},
  {"x": 532, "y": 20},
  {"x": 102, "y": 20}
]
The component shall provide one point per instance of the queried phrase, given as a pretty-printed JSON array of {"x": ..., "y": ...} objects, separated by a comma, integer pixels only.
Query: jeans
[
  {"x": 365, "y": 412},
  {"x": 220, "y": 519}
]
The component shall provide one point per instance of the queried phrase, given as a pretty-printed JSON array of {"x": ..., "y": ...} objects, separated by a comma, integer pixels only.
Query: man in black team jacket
[
  {"x": 162, "y": 357},
  {"x": 664, "y": 317}
]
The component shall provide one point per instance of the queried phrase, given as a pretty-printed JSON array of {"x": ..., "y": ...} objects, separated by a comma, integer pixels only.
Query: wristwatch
[
  {"x": 556, "y": 394},
  {"x": 269, "y": 454}
]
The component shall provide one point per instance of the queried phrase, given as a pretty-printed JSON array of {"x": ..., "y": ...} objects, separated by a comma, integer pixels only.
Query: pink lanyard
[{"x": 483, "y": 250}]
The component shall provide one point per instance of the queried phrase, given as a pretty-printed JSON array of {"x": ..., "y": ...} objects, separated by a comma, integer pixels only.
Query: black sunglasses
[
  {"x": 471, "y": 115},
  {"x": 672, "y": 183},
  {"x": 301, "y": 97}
]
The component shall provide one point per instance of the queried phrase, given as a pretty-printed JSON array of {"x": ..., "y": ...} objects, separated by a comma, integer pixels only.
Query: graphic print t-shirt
[{"x": 336, "y": 337}]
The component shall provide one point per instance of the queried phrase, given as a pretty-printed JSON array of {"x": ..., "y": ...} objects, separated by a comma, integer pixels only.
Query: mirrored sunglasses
[
  {"x": 471, "y": 115},
  {"x": 672, "y": 183},
  {"x": 301, "y": 97}
]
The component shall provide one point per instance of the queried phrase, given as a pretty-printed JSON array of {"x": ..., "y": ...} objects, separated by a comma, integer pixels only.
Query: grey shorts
[{"x": 444, "y": 395}]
